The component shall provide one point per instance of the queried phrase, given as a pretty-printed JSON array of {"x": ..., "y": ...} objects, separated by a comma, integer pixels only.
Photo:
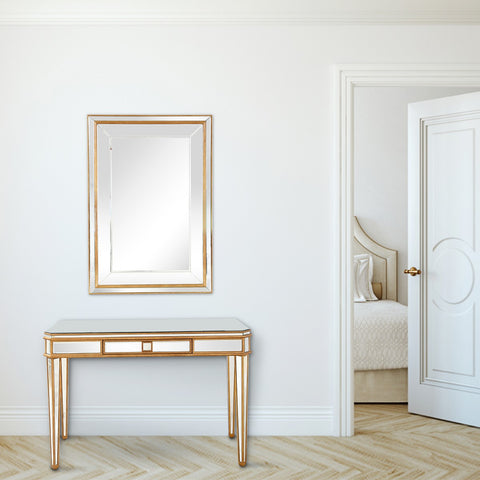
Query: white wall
[
  {"x": 380, "y": 164},
  {"x": 324, "y": 11},
  {"x": 269, "y": 88}
]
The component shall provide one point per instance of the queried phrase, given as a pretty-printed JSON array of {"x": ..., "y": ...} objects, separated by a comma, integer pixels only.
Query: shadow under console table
[{"x": 147, "y": 338}]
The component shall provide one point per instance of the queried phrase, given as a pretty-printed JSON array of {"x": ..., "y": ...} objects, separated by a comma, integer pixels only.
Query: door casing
[{"x": 346, "y": 79}]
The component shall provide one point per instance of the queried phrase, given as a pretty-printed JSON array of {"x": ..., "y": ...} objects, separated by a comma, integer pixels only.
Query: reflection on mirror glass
[{"x": 150, "y": 203}]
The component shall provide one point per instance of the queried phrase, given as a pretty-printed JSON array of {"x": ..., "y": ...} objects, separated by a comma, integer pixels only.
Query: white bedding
[{"x": 380, "y": 335}]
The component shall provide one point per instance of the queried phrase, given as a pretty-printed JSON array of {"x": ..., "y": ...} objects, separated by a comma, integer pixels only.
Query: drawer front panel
[
  {"x": 146, "y": 347},
  {"x": 76, "y": 347},
  {"x": 122, "y": 347},
  {"x": 218, "y": 346},
  {"x": 181, "y": 346}
]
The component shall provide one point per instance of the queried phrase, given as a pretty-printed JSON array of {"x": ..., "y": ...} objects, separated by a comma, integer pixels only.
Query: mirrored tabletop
[{"x": 148, "y": 325}]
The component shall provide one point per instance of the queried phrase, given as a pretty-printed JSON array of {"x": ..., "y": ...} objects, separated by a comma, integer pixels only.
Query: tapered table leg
[
  {"x": 54, "y": 393},
  {"x": 241, "y": 364},
  {"x": 64, "y": 397},
  {"x": 231, "y": 396}
]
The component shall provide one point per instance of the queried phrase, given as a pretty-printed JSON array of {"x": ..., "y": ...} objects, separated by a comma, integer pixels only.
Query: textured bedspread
[{"x": 380, "y": 335}]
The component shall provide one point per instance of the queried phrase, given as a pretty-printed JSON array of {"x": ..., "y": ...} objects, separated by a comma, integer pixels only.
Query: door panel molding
[{"x": 346, "y": 79}]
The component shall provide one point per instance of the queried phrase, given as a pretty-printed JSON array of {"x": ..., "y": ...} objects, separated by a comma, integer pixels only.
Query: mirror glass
[{"x": 150, "y": 204}]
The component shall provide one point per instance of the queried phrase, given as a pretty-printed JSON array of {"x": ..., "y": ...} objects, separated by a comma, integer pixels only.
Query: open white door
[{"x": 444, "y": 243}]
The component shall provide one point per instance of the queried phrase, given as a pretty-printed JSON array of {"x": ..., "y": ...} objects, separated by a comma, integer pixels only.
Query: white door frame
[{"x": 347, "y": 78}]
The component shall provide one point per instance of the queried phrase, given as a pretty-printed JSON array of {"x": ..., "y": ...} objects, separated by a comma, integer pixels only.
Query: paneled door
[{"x": 444, "y": 245}]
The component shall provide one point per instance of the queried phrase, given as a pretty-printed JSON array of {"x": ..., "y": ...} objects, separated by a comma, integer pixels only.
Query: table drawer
[{"x": 115, "y": 347}]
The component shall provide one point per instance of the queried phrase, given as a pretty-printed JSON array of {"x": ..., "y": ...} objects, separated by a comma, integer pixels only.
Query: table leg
[
  {"x": 64, "y": 397},
  {"x": 54, "y": 393},
  {"x": 241, "y": 364},
  {"x": 231, "y": 395}
]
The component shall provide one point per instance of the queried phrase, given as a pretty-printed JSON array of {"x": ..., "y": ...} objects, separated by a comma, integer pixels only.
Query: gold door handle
[{"x": 412, "y": 271}]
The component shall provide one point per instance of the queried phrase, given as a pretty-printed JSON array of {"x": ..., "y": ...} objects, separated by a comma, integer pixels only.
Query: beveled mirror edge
[{"x": 206, "y": 286}]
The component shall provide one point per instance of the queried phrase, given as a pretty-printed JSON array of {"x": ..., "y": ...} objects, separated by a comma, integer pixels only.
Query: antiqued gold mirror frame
[{"x": 150, "y": 203}]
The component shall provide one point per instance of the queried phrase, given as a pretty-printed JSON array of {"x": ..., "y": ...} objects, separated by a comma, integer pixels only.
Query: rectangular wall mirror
[{"x": 150, "y": 203}]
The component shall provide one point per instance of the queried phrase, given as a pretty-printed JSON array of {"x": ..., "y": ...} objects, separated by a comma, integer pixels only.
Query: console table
[{"x": 147, "y": 338}]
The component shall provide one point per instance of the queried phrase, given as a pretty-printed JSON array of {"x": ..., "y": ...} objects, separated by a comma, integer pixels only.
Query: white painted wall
[
  {"x": 406, "y": 10},
  {"x": 380, "y": 164},
  {"x": 269, "y": 88}
]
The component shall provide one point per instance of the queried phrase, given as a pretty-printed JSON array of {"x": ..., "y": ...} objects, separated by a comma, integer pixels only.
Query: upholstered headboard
[{"x": 384, "y": 261}]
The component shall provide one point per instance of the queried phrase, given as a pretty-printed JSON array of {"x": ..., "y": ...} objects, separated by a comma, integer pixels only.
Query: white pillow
[
  {"x": 356, "y": 294},
  {"x": 362, "y": 278}
]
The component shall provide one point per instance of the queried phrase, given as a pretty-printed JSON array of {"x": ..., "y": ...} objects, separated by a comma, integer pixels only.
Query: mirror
[{"x": 149, "y": 203}]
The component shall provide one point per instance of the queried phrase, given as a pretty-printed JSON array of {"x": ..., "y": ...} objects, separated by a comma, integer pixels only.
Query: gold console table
[{"x": 147, "y": 338}]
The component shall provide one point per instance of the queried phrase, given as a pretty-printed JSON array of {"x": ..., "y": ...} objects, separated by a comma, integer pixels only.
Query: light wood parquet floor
[{"x": 389, "y": 444}]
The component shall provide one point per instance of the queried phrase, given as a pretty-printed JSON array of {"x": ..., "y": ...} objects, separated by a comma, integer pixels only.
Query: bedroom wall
[
  {"x": 269, "y": 87},
  {"x": 381, "y": 161}
]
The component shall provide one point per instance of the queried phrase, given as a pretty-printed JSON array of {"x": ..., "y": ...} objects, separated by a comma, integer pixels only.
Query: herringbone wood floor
[{"x": 389, "y": 444}]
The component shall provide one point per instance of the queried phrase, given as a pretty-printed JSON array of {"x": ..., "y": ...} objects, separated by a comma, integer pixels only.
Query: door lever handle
[{"x": 412, "y": 271}]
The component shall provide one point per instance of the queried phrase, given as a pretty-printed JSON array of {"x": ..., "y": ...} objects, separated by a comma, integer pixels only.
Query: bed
[{"x": 380, "y": 346}]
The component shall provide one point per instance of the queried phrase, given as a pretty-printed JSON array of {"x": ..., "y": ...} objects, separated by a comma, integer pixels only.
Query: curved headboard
[{"x": 384, "y": 261}]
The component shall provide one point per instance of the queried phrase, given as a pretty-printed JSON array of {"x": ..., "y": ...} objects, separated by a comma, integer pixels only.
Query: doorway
[
  {"x": 380, "y": 204},
  {"x": 348, "y": 79}
]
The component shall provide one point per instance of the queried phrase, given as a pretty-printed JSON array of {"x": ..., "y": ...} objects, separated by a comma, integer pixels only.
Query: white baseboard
[{"x": 137, "y": 420}]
